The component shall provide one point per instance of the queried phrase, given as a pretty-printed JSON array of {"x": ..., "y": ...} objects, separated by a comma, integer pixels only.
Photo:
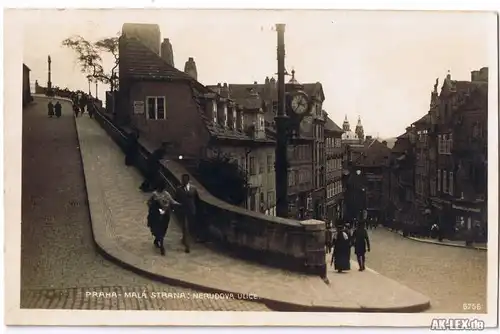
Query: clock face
[{"x": 299, "y": 104}]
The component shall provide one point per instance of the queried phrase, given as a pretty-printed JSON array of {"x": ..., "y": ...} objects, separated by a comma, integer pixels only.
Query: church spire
[
  {"x": 346, "y": 126},
  {"x": 359, "y": 129}
]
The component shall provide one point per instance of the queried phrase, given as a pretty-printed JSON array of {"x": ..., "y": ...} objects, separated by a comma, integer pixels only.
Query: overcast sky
[{"x": 378, "y": 65}]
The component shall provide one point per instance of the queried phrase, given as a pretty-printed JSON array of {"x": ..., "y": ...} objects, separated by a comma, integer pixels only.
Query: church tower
[
  {"x": 346, "y": 126},
  {"x": 359, "y": 129}
]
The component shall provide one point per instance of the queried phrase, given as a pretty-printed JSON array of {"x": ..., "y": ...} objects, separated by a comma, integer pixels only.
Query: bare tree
[{"x": 90, "y": 60}]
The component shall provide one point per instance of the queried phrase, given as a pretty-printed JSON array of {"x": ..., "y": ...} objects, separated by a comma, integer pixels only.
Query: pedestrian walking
[
  {"x": 152, "y": 168},
  {"x": 132, "y": 148},
  {"x": 329, "y": 238},
  {"x": 361, "y": 244},
  {"x": 187, "y": 195},
  {"x": 50, "y": 107},
  {"x": 58, "y": 109},
  {"x": 159, "y": 211},
  {"x": 341, "y": 256},
  {"x": 76, "y": 109}
]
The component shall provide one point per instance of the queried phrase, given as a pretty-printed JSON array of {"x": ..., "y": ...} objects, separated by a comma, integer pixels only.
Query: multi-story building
[
  {"x": 439, "y": 166},
  {"x": 334, "y": 157},
  {"x": 459, "y": 153},
  {"x": 402, "y": 187},
  {"x": 306, "y": 150},
  {"x": 166, "y": 104}
]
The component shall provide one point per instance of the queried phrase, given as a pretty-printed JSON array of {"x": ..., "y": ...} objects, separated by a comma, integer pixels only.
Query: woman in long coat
[
  {"x": 361, "y": 244},
  {"x": 341, "y": 257},
  {"x": 160, "y": 207}
]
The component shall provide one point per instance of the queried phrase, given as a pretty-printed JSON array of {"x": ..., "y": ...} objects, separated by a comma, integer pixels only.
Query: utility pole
[
  {"x": 281, "y": 164},
  {"x": 49, "y": 81}
]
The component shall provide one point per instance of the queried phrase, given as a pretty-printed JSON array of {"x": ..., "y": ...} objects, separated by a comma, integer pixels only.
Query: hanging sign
[{"x": 138, "y": 107}]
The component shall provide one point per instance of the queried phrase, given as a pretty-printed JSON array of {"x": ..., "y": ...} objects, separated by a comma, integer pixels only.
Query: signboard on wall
[{"x": 138, "y": 107}]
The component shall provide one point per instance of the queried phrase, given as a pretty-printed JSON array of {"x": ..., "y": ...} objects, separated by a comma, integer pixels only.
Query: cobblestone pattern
[
  {"x": 449, "y": 276},
  {"x": 58, "y": 260}
]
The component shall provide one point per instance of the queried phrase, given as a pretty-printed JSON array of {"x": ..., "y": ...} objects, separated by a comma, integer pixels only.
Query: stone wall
[{"x": 274, "y": 241}]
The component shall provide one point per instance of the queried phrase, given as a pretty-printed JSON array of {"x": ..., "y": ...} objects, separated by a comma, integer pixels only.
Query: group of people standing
[
  {"x": 54, "y": 109},
  {"x": 162, "y": 204},
  {"x": 342, "y": 241}
]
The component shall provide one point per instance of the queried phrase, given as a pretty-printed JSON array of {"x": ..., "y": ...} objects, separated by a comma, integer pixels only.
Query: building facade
[
  {"x": 26, "y": 85},
  {"x": 459, "y": 127},
  {"x": 334, "y": 158},
  {"x": 446, "y": 154},
  {"x": 168, "y": 105},
  {"x": 306, "y": 149}
]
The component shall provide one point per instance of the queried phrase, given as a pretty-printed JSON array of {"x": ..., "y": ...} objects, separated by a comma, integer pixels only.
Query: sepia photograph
[{"x": 294, "y": 167}]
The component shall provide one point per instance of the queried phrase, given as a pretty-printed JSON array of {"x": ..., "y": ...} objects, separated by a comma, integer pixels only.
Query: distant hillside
[{"x": 390, "y": 142}]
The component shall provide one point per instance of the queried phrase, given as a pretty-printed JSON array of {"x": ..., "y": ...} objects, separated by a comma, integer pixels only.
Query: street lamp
[{"x": 281, "y": 131}]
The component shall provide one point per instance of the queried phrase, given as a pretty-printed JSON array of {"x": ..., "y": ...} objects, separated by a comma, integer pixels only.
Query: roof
[
  {"x": 423, "y": 120},
  {"x": 402, "y": 144},
  {"x": 26, "y": 67},
  {"x": 144, "y": 64},
  {"x": 331, "y": 126}
]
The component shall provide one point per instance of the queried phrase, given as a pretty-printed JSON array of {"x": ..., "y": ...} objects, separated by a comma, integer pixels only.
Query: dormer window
[
  {"x": 230, "y": 118},
  {"x": 225, "y": 120},
  {"x": 234, "y": 113},
  {"x": 214, "y": 111},
  {"x": 239, "y": 120},
  {"x": 261, "y": 123}
]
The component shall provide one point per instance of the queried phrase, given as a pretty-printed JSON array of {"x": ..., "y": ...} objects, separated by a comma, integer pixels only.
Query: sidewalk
[
  {"x": 118, "y": 212},
  {"x": 450, "y": 243}
]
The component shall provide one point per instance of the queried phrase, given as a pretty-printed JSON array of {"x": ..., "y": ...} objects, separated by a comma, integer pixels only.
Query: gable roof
[
  {"x": 331, "y": 126},
  {"x": 144, "y": 64},
  {"x": 423, "y": 120},
  {"x": 26, "y": 67}
]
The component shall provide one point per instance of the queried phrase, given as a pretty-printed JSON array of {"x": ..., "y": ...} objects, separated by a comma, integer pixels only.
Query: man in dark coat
[
  {"x": 58, "y": 109},
  {"x": 132, "y": 148},
  {"x": 187, "y": 195},
  {"x": 50, "y": 107},
  {"x": 152, "y": 168},
  {"x": 361, "y": 244}
]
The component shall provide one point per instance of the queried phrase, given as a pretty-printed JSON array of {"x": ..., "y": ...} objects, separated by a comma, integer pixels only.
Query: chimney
[
  {"x": 272, "y": 81},
  {"x": 190, "y": 68},
  {"x": 167, "y": 53},
  {"x": 384, "y": 142},
  {"x": 255, "y": 82},
  {"x": 369, "y": 137},
  {"x": 225, "y": 90},
  {"x": 266, "y": 81},
  {"x": 474, "y": 76}
]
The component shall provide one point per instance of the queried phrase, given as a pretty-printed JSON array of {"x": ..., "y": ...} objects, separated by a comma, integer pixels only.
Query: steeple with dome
[
  {"x": 346, "y": 126},
  {"x": 352, "y": 137},
  {"x": 359, "y": 129}
]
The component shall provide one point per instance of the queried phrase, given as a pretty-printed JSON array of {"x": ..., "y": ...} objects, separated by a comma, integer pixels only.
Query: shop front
[{"x": 469, "y": 220}]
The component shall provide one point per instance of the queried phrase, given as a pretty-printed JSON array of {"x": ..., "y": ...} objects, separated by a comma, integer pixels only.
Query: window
[
  {"x": 252, "y": 170},
  {"x": 439, "y": 179},
  {"x": 156, "y": 107},
  {"x": 269, "y": 163},
  {"x": 214, "y": 111},
  {"x": 261, "y": 166},
  {"x": 451, "y": 184},
  {"x": 270, "y": 199},
  {"x": 440, "y": 142},
  {"x": 445, "y": 179},
  {"x": 235, "y": 116}
]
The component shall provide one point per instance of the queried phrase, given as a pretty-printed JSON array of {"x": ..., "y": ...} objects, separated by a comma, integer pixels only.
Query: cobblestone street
[
  {"x": 60, "y": 266},
  {"x": 449, "y": 276}
]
